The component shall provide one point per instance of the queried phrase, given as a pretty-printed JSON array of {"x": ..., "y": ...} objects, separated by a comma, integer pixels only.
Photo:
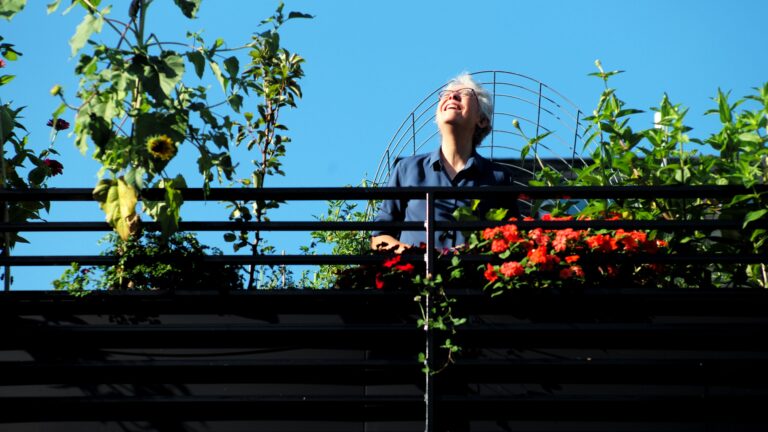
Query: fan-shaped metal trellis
[{"x": 538, "y": 108}]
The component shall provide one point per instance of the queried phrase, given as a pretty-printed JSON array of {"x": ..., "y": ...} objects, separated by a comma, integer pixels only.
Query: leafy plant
[
  {"x": 151, "y": 262},
  {"x": 21, "y": 168},
  {"x": 665, "y": 155},
  {"x": 273, "y": 75},
  {"x": 341, "y": 242}
]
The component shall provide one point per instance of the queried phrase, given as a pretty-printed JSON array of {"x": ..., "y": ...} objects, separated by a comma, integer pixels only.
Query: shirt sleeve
[{"x": 391, "y": 210}]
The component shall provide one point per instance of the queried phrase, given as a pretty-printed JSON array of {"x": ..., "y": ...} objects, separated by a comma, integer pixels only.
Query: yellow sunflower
[{"x": 161, "y": 147}]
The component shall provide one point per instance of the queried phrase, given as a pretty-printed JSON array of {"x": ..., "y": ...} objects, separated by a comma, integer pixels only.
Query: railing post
[{"x": 429, "y": 258}]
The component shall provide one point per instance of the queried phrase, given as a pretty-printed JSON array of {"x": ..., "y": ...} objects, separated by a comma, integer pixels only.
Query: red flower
[
  {"x": 577, "y": 271},
  {"x": 538, "y": 236},
  {"x": 379, "y": 281},
  {"x": 499, "y": 245},
  {"x": 512, "y": 269},
  {"x": 60, "y": 125},
  {"x": 602, "y": 242},
  {"x": 524, "y": 197},
  {"x": 392, "y": 261},
  {"x": 510, "y": 233},
  {"x": 566, "y": 273},
  {"x": 538, "y": 255},
  {"x": 408, "y": 268},
  {"x": 2, "y": 63},
  {"x": 55, "y": 166},
  {"x": 571, "y": 259},
  {"x": 562, "y": 237},
  {"x": 490, "y": 273}
]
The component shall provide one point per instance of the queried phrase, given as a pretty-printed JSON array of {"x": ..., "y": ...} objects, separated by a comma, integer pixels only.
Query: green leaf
[
  {"x": 751, "y": 137},
  {"x": 496, "y": 214},
  {"x": 723, "y": 108},
  {"x": 232, "y": 66},
  {"x": 89, "y": 25},
  {"x": 118, "y": 201},
  {"x": 5, "y": 79},
  {"x": 53, "y": 6},
  {"x": 170, "y": 72},
  {"x": 293, "y": 14},
  {"x": 753, "y": 216},
  {"x": 7, "y": 117},
  {"x": 167, "y": 212},
  {"x": 9, "y": 8},
  {"x": 198, "y": 60},
  {"x": 219, "y": 77},
  {"x": 236, "y": 102},
  {"x": 188, "y": 7},
  {"x": 59, "y": 111}
]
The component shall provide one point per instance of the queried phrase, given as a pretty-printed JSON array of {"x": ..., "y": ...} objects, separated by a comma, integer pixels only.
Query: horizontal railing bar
[
  {"x": 614, "y": 301},
  {"x": 344, "y": 371},
  {"x": 51, "y": 260},
  {"x": 322, "y": 194},
  {"x": 226, "y": 408},
  {"x": 384, "y": 226}
]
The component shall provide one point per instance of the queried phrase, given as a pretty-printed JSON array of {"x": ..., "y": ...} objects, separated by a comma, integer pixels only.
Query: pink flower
[{"x": 2, "y": 63}]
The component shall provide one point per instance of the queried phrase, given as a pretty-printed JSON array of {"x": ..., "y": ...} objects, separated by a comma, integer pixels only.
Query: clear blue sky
[{"x": 369, "y": 63}]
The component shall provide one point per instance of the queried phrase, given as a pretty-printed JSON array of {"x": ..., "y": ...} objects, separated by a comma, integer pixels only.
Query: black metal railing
[
  {"x": 429, "y": 225},
  {"x": 714, "y": 339}
]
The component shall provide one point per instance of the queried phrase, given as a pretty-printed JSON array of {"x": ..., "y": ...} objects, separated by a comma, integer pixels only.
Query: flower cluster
[
  {"x": 556, "y": 257},
  {"x": 393, "y": 267}
]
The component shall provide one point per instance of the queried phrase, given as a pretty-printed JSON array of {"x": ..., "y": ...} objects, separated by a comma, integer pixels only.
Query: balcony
[{"x": 612, "y": 358}]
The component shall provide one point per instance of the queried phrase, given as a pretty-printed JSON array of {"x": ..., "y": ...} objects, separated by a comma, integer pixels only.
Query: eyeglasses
[{"x": 462, "y": 92}]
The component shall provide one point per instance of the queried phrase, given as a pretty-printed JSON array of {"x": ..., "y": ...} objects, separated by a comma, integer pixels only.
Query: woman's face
[{"x": 458, "y": 107}]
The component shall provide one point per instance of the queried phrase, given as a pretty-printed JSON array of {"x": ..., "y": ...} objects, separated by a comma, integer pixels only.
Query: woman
[{"x": 463, "y": 116}]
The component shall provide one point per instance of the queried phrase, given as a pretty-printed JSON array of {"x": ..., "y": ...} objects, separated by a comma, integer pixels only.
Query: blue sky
[{"x": 370, "y": 63}]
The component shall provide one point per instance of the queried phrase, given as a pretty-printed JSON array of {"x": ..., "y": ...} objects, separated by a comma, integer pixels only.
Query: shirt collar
[{"x": 475, "y": 160}]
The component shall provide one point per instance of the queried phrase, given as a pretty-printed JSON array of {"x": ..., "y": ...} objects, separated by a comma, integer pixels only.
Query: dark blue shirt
[{"x": 428, "y": 170}]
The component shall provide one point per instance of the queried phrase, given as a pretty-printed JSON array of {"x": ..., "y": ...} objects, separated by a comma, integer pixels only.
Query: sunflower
[{"x": 161, "y": 147}]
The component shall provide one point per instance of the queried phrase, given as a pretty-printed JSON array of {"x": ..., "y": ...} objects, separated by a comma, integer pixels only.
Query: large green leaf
[
  {"x": 171, "y": 71},
  {"x": 219, "y": 77},
  {"x": 188, "y": 7},
  {"x": 91, "y": 23},
  {"x": 198, "y": 60},
  {"x": 6, "y": 122},
  {"x": 9, "y": 8},
  {"x": 168, "y": 212},
  {"x": 118, "y": 201},
  {"x": 753, "y": 216}
]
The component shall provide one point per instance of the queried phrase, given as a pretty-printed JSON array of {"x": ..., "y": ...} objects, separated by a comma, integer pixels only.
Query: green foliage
[
  {"x": 663, "y": 155},
  {"x": 138, "y": 108},
  {"x": 341, "y": 242},
  {"x": 21, "y": 168},
  {"x": 273, "y": 75},
  {"x": 151, "y": 262},
  {"x": 9, "y": 8}
]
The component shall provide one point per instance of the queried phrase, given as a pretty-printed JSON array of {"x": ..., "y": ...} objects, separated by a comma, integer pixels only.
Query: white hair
[{"x": 484, "y": 99}]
